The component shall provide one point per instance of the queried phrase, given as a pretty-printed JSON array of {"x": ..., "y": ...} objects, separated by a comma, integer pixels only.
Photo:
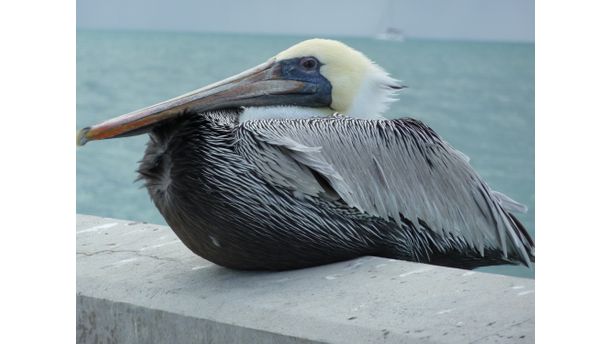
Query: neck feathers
[{"x": 282, "y": 112}]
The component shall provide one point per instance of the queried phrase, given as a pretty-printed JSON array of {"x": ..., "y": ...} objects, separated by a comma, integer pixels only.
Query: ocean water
[{"x": 478, "y": 96}]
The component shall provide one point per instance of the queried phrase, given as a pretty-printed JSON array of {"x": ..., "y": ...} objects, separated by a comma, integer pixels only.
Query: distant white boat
[{"x": 390, "y": 32}]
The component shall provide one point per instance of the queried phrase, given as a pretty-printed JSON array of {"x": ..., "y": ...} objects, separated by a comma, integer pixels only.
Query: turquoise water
[{"x": 478, "y": 96}]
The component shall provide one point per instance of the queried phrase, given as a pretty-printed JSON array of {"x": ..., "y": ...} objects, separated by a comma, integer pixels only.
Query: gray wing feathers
[
  {"x": 391, "y": 169},
  {"x": 281, "y": 170},
  {"x": 291, "y": 165}
]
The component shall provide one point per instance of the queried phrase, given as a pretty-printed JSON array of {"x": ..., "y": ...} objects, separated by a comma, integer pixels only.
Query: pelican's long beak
[{"x": 266, "y": 84}]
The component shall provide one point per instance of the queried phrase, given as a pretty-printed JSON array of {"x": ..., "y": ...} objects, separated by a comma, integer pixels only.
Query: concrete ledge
[{"x": 137, "y": 283}]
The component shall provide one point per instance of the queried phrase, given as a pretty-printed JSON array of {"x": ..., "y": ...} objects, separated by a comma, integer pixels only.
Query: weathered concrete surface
[{"x": 136, "y": 283}]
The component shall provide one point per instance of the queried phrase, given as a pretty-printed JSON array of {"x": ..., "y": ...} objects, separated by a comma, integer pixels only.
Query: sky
[{"x": 489, "y": 20}]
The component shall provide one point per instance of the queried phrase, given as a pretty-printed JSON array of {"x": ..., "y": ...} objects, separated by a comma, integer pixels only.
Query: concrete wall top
[{"x": 138, "y": 283}]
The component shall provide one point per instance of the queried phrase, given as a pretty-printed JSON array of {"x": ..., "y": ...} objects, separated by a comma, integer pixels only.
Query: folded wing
[{"x": 394, "y": 169}]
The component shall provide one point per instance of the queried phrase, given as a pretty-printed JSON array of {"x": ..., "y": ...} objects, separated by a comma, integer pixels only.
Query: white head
[{"x": 359, "y": 87}]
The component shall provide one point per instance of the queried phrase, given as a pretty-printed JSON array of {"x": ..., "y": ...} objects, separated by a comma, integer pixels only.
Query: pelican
[{"x": 292, "y": 164}]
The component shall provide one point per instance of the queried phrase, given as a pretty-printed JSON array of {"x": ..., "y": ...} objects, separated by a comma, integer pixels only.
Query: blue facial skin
[{"x": 317, "y": 92}]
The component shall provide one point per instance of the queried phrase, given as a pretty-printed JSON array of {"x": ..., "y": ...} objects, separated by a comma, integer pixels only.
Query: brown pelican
[{"x": 291, "y": 164}]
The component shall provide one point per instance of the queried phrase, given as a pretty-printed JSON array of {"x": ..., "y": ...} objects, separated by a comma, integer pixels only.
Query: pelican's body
[
  {"x": 257, "y": 172},
  {"x": 201, "y": 175}
]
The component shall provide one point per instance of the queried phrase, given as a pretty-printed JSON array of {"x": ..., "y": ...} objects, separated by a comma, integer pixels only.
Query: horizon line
[{"x": 407, "y": 38}]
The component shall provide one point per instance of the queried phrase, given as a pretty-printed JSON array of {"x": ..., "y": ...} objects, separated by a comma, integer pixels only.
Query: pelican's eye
[{"x": 309, "y": 63}]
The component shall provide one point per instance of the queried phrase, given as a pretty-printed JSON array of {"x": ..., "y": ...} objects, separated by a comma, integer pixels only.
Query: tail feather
[{"x": 524, "y": 236}]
